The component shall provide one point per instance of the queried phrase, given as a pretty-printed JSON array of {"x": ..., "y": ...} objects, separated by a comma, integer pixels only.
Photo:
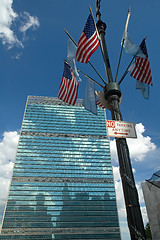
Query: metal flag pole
[
  {"x": 90, "y": 78},
  {"x": 112, "y": 95},
  {"x": 123, "y": 39},
  {"x": 126, "y": 71}
]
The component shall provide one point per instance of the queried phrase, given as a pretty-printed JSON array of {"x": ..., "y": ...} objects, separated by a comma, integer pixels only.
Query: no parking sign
[{"x": 121, "y": 129}]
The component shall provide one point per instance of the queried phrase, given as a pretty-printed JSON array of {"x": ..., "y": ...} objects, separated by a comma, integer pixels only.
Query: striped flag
[
  {"x": 142, "y": 71},
  {"x": 88, "y": 42},
  {"x": 68, "y": 89},
  {"x": 101, "y": 101},
  {"x": 99, "y": 104}
]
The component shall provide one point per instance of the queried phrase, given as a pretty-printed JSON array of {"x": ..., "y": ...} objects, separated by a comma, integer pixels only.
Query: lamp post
[{"x": 112, "y": 94}]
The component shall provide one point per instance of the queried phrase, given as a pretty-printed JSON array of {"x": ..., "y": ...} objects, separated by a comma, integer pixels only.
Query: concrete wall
[{"x": 152, "y": 199}]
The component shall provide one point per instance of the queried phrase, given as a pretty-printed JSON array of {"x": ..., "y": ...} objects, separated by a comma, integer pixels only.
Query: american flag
[
  {"x": 142, "y": 70},
  {"x": 68, "y": 89},
  {"x": 88, "y": 42}
]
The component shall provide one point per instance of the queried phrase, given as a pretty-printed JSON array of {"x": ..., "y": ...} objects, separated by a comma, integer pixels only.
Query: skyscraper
[{"x": 62, "y": 185}]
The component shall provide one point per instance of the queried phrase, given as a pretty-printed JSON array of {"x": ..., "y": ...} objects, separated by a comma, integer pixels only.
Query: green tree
[{"x": 148, "y": 232}]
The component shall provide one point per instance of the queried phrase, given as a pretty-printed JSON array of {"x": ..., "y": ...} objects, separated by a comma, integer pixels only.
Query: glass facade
[{"x": 62, "y": 185}]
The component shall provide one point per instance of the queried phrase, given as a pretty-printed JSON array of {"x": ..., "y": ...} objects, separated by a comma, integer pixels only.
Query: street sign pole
[{"x": 112, "y": 95}]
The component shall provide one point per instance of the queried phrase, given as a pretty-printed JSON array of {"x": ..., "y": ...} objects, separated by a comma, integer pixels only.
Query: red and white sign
[{"x": 121, "y": 129}]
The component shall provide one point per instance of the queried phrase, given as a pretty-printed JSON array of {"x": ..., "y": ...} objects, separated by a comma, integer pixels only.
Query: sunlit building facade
[{"x": 62, "y": 185}]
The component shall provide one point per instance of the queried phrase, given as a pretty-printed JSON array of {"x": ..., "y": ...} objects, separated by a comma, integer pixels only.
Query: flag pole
[
  {"x": 70, "y": 37},
  {"x": 90, "y": 78},
  {"x": 126, "y": 71},
  {"x": 88, "y": 61},
  {"x": 123, "y": 39},
  {"x": 90, "y": 9}
]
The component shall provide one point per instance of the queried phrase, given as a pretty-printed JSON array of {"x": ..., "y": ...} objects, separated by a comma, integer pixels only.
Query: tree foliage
[{"x": 148, "y": 232}]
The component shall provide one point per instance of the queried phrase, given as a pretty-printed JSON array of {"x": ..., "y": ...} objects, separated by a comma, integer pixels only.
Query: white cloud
[
  {"x": 141, "y": 146},
  {"x": 120, "y": 204},
  {"x": 8, "y": 146},
  {"x": 29, "y": 22},
  {"x": 7, "y": 17},
  {"x": 119, "y": 193},
  {"x": 144, "y": 215},
  {"x": 138, "y": 147}
]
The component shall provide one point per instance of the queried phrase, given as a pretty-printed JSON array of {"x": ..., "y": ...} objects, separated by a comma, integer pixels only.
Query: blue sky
[{"x": 33, "y": 45}]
